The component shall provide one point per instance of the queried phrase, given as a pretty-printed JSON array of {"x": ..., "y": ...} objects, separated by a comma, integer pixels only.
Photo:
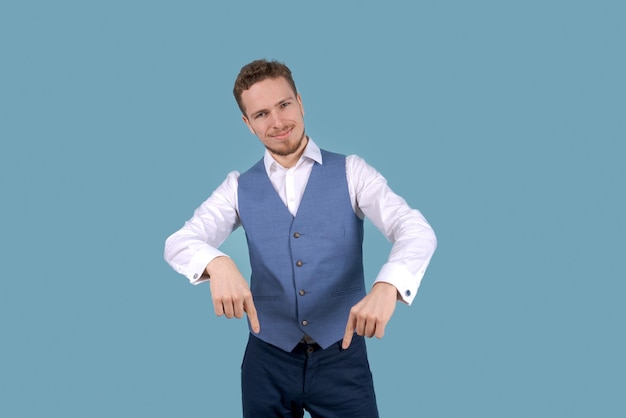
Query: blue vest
[{"x": 307, "y": 270}]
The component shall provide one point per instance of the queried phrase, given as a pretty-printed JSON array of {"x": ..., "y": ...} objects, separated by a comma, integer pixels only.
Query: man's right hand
[{"x": 230, "y": 291}]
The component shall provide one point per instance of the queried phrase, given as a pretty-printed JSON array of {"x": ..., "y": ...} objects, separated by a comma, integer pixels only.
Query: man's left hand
[{"x": 370, "y": 316}]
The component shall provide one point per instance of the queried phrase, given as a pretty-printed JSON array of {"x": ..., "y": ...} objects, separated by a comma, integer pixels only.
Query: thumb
[{"x": 250, "y": 309}]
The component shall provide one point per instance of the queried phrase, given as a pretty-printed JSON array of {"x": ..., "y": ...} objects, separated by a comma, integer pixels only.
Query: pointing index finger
[
  {"x": 347, "y": 336},
  {"x": 250, "y": 309}
]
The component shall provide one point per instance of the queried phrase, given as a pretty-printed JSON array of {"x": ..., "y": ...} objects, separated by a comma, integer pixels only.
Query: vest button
[
  {"x": 299, "y": 263},
  {"x": 305, "y": 323},
  {"x": 296, "y": 235},
  {"x": 302, "y": 292}
]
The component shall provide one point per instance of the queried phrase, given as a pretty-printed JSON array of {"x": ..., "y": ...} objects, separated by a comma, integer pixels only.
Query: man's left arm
[{"x": 413, "y": 240}]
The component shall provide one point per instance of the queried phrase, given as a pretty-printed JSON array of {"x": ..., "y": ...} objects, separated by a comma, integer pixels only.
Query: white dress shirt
[{"x": 191, "y": 249}]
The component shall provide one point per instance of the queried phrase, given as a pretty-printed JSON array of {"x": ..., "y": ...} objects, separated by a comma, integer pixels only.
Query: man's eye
[
  {"x": 259, "y": 115},
  {"x": 285, "y": 104}
]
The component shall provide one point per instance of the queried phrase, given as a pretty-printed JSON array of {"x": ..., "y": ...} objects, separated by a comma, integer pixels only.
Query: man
[{"x": 302, "y": 209}]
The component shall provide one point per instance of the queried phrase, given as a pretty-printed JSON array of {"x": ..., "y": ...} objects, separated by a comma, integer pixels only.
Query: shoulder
[
  {"x": 360, "y": 172},
  {"x": 356, "y": 163},
  {"x": 229, "y": 185}
]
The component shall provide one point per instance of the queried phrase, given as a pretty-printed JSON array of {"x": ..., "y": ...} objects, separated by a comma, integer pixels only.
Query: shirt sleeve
[
  {"x": 190, "y": 249},
  {"x": 413, "y": 240}
]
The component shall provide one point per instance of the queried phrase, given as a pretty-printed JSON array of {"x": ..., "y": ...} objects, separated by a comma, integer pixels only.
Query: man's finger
[
  {"x": 347, "y": 337},
  {"x": 250, "y": 309},
  {"x": 370, "y": 328},
  {"x": 218, "y": 307},
  {"x": 239, "y": 308},
  {"x": 380, "y": 330},
  {"x": 229, "y": 311}
]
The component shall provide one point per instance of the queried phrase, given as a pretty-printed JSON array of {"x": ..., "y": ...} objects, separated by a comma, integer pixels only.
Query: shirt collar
[{"x": 311, "y": 152}]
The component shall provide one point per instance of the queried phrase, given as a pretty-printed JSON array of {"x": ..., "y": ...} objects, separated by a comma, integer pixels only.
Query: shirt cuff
[
  {"x": 196, "y": 270},
  {"x": 403, "y": 280}
]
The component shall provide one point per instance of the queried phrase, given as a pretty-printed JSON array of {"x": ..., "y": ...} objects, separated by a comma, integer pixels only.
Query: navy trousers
[{"x": 327, "y": 383}]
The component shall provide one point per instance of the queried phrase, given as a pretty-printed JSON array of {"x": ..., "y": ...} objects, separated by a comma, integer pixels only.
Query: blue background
[{"x": 503, "y": 122}]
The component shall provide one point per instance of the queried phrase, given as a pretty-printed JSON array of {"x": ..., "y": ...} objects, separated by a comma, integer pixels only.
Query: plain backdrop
[{"x": 502, "y": 121}]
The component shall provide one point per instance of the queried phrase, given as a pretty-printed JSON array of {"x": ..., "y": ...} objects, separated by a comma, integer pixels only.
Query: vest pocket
[
  {"x": 344, "y": 292},
  {"x": 264, "y": 298}
]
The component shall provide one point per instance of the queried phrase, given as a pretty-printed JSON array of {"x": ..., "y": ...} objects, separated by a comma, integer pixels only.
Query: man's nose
[{"x": 276, "y": 119}]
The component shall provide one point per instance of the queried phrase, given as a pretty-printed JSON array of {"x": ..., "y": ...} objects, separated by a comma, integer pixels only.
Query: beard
[{"x": 289, "y": 148}]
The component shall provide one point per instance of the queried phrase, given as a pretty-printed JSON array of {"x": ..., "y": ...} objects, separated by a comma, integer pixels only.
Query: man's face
[{"x": 274, "y": 113}]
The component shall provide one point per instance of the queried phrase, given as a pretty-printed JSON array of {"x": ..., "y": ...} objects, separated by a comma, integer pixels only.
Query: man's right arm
[{"x": 190, "y": 249}]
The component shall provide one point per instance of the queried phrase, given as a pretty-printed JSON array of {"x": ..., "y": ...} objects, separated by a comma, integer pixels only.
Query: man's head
[
  {"x": 260, "y": 70},
  {"x": 272, "y": 109}
]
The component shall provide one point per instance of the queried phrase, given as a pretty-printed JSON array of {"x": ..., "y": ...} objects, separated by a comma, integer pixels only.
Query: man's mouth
[{"x": 282, "y": 134}]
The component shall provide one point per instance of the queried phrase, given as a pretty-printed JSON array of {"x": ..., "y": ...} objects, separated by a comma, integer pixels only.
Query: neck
[{"x": 288, "y": 161}]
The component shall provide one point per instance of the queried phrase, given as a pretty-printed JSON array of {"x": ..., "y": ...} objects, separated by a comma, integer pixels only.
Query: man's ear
[
  {"x": 247, "y": 122},
  {"x": 300, "y": 103}
]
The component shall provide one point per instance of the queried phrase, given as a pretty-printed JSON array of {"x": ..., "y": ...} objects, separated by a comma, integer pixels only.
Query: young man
[{"x": 302, "y": 209}]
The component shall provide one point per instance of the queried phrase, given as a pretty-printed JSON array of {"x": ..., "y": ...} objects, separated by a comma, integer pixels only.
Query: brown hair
[{"x": 260, "y": 70}]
